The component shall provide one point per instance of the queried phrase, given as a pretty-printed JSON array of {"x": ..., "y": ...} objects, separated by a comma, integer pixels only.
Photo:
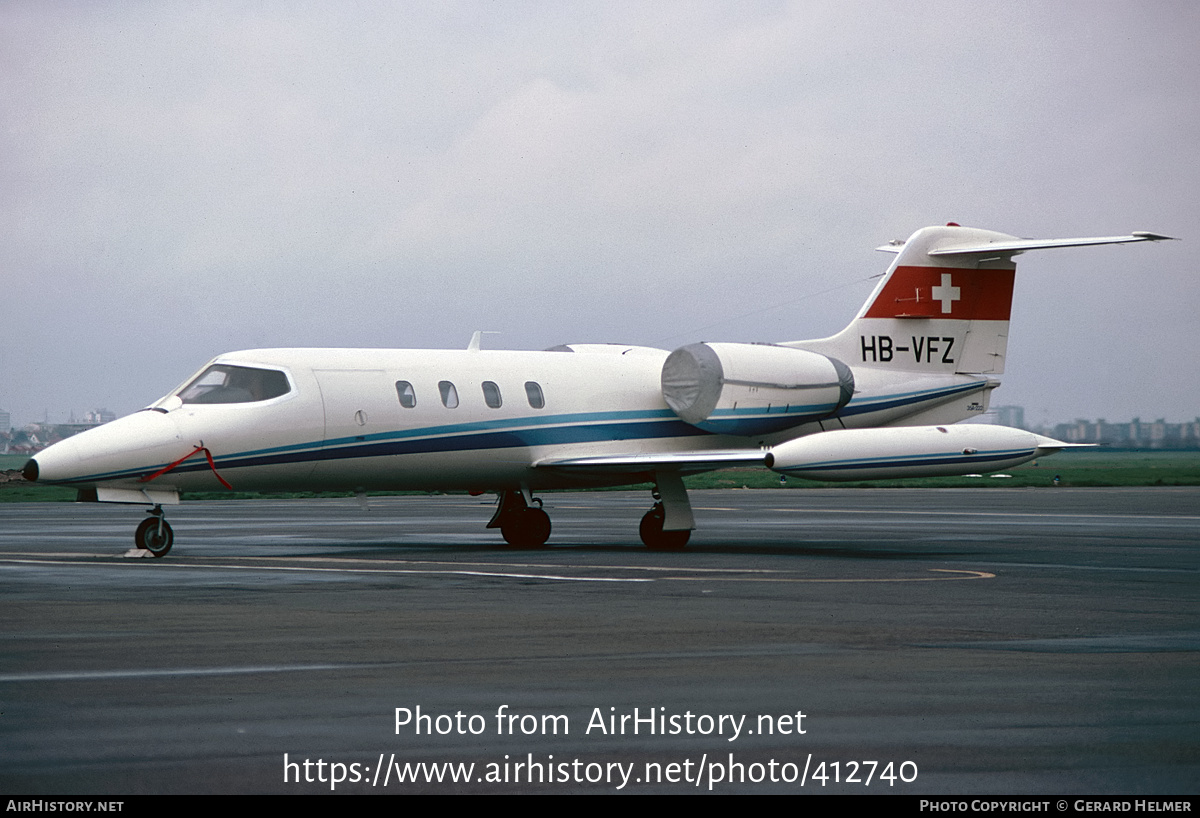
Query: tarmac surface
[{"x": 940, "y": 641}]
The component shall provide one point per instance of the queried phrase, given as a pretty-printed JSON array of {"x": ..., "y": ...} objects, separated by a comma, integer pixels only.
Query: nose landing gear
[{"x": 154, "y": 534}]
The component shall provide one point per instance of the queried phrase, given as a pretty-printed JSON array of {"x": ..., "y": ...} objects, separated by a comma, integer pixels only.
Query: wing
[{"x": 664, "y": 461}]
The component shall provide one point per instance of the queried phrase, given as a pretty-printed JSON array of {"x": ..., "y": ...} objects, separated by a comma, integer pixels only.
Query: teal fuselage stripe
[
  {"x": 428, "y": 441},
  {"x": 508, "y": 433}
]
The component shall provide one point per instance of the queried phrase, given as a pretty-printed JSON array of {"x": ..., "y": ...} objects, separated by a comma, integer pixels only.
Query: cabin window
[
  {"x": 534, "y": 393},
  {"x": 491, "y": 394},
  {"x": 408, "y": 397},
  {"x": 223, "y": 383},
  {"x": 449, "y": 394}
]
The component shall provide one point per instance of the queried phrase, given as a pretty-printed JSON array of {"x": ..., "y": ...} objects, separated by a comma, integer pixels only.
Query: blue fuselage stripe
[
  {"x": 407, "y": 442},
  {"x": 504, "y": 433}
]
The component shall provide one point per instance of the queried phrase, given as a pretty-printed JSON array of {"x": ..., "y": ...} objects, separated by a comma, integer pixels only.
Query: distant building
[
  {"x": 1013, "y": 416},
  {"x": 36, "y": 436},
  {"x": 1137, "y": 434}
]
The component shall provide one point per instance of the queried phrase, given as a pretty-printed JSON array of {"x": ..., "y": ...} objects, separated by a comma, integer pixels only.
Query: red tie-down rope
[{"x": 194, "y": 451}]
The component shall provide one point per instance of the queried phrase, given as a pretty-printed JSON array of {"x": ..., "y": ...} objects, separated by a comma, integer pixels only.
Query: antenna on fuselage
[{"x": 474, "y": 345}]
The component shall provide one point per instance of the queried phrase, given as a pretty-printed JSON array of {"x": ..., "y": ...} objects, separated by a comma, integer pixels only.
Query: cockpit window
[{"x": 222, "y": 383}]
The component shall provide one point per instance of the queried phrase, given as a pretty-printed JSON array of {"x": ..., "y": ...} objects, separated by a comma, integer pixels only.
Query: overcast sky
[{"x": 181, "y": 179}]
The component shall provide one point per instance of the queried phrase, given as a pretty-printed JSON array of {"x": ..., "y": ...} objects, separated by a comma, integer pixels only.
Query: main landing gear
[
  {"x": 668, "y": 525},
  {"x": 665, "y": 527},
  {"x": 521, "y": 520},
  {"x": 652, "y": 534},
  {"x": 154, "y": 534}
]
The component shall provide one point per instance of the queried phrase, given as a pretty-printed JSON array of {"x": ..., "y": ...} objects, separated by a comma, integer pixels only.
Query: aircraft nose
[
  {"x": 56, "y": 462},
  {"x": 109, "y": 452}
]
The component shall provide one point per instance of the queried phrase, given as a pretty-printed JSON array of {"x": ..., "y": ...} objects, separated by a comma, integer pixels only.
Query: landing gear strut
[
  {"x": 522, "y": 522},
  {"x": 651, "y": 531},
  {"x": 668, "y": 525},
  {"x": 154, "y": 534}
]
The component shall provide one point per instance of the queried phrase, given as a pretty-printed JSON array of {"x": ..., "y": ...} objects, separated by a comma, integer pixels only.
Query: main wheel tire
[
  {"x": 527, "y": 528},
  {"x": 149, "y": 537},
  {"x": 652, "y": 534}
]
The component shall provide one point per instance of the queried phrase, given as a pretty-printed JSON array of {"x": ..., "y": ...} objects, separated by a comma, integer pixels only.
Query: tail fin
[{"x": 944, "y": 305}]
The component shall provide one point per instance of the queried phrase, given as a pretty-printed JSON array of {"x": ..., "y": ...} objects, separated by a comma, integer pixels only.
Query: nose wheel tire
[
  {"x": 651, "y": 531},
  {"x": 154, "y": 535}
]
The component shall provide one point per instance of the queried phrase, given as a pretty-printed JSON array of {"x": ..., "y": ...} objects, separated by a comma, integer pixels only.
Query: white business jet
[{"x": 873, "y": 401}]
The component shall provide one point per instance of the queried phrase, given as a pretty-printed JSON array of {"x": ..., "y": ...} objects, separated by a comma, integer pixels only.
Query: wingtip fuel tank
[{"x": 912, "y": 451}]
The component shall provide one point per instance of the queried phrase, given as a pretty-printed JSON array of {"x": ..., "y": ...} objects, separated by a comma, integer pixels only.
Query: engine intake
[{"x": 753, "y": 389}]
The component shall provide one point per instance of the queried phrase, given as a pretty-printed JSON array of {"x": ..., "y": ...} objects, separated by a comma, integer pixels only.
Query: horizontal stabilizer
[{"x": 1021, "y": 245}]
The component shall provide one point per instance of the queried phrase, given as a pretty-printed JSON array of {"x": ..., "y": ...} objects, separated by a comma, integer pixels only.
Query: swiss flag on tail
[{"x": 965, "y": 294}]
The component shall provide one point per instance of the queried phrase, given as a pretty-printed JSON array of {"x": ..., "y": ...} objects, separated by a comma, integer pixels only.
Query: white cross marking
[{"x": 946, "y": 294}]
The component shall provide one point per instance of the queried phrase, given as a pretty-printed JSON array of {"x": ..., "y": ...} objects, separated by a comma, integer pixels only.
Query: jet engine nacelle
[
  {"x": 752, "y": 389},
  {"x": 911, "y": 451}
]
